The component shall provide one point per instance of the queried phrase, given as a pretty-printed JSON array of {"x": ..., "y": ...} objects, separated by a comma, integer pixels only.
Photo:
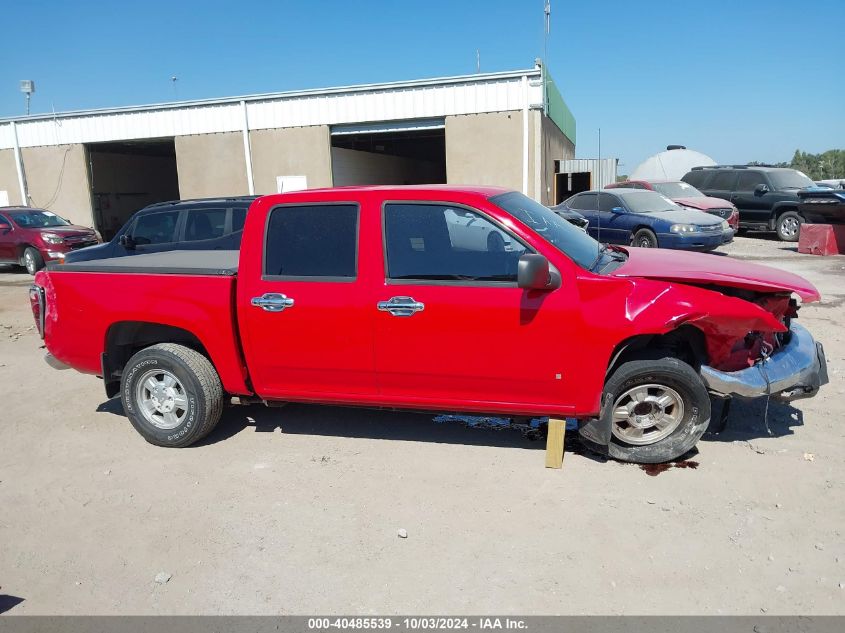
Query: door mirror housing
[
  {"x": 760, "y": 189},
  {"x": 535, "y": 273},
  {"x": 4, "y": 230},
  {"x": 618, "y": 210},
  {"x": 126, "y": 242}
]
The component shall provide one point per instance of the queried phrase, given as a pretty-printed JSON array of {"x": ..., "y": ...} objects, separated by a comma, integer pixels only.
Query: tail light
[{"x": 38, "y": 304}]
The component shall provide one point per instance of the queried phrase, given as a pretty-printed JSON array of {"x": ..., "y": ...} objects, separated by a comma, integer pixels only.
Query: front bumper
[
  {"x": 691, "y": 241},
  {"x": 795, "y": 371}
]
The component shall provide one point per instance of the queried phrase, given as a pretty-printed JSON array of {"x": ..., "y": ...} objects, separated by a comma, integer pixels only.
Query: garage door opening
[
  {"x": 412, "y": 153},
  {"x": 569, "y": 184},
  {"x": 128, "y": 176}
]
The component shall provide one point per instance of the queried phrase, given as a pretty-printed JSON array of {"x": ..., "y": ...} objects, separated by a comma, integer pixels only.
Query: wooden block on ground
[{"x": 554, "y": 443}]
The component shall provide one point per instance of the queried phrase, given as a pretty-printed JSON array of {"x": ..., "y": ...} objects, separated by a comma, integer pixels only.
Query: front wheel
[
  {"x": 32, "y": 260},
  {"x": 657, "y": 411},
  {"x": 644, "y": 238},
  {"x": 789, "y": 226},
  {"x": 171, "y": 394}
]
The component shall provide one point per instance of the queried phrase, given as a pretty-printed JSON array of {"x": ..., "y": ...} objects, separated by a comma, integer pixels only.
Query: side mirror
[
  {"x": 126, "y": 242},
  {"x": 533, "y": 273},
  {"x": 5, "y": 229},
  {"x": 760, "y": 189},
  {"x": 617, "y": 210}
]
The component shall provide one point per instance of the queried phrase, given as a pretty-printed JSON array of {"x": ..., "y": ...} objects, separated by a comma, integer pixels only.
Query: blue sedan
[{"x": 638, "y": 217}]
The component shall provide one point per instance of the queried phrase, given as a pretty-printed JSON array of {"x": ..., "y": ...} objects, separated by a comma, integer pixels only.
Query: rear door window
[
  {"x": 155, "y": 228},
  {"x": 723, "y": 181},
  {"x": 205, "y": 224},
  {"x": 316, "y": 242},
  {"x": 608, "y": 201},
  {"x": 748, "y": 180},
  {"x": 584, "y": 202}
]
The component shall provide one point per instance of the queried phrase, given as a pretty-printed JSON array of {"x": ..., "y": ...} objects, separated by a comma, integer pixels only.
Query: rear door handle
[
  {"x": 272, "y": 302},
  {"x": 401, "y": 306}
]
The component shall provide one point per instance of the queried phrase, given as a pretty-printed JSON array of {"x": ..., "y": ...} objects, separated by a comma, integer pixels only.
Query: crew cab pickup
[{"x": 437, "y": 298}]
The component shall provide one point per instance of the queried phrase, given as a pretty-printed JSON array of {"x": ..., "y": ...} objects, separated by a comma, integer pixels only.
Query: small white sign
[
  {"x": 285, "y": 184},
  {"x": 4, "y": 198}
]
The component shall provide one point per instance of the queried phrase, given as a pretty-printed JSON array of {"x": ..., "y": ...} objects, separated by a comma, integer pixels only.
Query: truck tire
[
  {"x": 171, "y": 394},
  {"x": 644, "y": 238},
  {"x": 657, "y": 411},
  {"x": 788, "y": 226},
  {"x": 32, "y": 260}
]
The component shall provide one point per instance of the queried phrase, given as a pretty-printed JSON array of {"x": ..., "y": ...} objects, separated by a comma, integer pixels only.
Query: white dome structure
[{"x": 672, "y": 164}]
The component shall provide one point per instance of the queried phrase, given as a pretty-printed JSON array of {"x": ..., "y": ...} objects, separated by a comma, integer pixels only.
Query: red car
[
  {"x": 30, "y": 237},
  {"x": 687, "y": 196},
  {"x": 437, "y": 298}
]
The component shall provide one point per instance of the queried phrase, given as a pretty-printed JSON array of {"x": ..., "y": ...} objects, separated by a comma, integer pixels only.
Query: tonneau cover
[{"x": 222, "y": 263}]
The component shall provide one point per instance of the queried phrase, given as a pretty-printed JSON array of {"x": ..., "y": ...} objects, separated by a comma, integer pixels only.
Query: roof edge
[{"x": 291, "y": 94}]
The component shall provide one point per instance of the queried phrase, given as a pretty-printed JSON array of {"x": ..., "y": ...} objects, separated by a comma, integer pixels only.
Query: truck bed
[
  {"x": 193, "y": 291},
  {"x": 218, "y": 263}
]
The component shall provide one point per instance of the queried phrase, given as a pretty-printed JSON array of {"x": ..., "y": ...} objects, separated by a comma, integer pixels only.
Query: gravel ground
[{"x": 299, "y": 510}]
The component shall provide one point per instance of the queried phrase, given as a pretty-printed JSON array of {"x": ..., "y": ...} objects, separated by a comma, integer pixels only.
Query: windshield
[
  {"x": 677, "y": 190},
  {"x": 569, "y": 240},
  {"x": 648, "y": 202},
  {"x": 37, "y": 219},
  {"x": 790, "y": 179}
]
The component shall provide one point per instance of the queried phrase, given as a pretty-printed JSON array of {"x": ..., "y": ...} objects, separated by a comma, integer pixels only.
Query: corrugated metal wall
[
  {"x": 493, "y": 92},
  {"x": 603, "y": 171}
]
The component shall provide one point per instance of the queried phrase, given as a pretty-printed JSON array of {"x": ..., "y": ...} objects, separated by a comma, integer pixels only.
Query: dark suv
[
  {"x": 767, "y": 197},
  {"x": 208, "y": 224}
]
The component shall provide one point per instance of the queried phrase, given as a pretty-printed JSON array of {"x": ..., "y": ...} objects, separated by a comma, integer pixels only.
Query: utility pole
[
  {"x": 477, "y": 60},
  {"x": 27, "y": 87},
  {"x": 600, "y": 163},
  {"x": 547, "y": 23}
]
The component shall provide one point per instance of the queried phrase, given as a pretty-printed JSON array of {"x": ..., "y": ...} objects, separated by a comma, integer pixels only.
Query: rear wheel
[
  {"x": 32, "y": 260},
  {"x": 171, "y": 394},
  {"x": 788, "y": 226},
  {"x": 657, "y": 411},
  {"x": 644, "y": 238}
]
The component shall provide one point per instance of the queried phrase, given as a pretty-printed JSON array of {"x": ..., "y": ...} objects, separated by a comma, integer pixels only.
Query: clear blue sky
[{"x": 739, "y": 79}]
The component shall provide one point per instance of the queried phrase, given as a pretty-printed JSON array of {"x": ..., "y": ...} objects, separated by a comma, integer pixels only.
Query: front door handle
[
  {"x": 401, "y": 306},
  {"x": 272, "y": 302}
]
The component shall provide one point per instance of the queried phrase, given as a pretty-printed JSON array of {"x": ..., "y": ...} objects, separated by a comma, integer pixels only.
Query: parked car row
[
  {"x": 648, "y": 219},
  {"x": 744, "y": 196},
  {"x": 33, "y": 237},
  {"x": 648, "y": 214}
]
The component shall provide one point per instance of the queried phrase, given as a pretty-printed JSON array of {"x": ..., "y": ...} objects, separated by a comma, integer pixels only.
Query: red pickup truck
[{"x": 438, "y": 298}]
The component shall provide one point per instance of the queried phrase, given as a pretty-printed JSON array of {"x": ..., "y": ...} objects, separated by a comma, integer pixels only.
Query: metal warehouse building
[{"x": 97, "y": 167}]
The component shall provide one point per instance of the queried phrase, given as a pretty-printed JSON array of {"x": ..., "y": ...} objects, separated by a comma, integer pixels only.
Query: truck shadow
[
  {"x": 354, "y": 422},
  {"x": 305, "y": 419},
  {"x": 748, "y": 420}
]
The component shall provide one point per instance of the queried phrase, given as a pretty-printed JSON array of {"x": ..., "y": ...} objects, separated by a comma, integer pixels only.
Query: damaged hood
[{"x": 706, "y": 269}]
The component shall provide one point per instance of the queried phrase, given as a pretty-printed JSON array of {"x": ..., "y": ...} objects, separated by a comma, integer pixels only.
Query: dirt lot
[{"x": 296, "y": 510}]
